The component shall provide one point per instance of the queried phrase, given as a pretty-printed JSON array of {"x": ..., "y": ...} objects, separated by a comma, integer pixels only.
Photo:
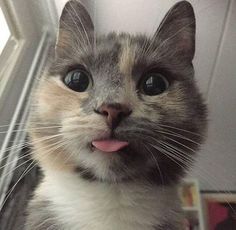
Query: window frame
[{"x": 27, "y": 46}]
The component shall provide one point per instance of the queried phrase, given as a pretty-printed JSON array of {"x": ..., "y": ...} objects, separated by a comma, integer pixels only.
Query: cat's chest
[{"x": 90, "y": 206}]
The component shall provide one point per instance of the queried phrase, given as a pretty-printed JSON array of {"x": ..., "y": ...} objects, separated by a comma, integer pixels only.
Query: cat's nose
[{"x": 114, "y": 113}]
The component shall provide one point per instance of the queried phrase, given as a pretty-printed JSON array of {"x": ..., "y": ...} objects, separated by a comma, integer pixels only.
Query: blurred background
[{"x": 29, "y": 27}]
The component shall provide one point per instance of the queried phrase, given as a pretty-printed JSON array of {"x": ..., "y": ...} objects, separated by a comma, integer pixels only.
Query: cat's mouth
[{"x": 109, "y": 145}]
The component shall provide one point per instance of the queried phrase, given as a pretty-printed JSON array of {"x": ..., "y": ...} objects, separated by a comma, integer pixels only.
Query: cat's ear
[
  {"x": 177, "y": 30},
  {"x": 75, "y": 27}
]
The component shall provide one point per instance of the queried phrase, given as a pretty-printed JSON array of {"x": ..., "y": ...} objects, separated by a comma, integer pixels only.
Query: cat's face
[{"x": 120, "y": 107}]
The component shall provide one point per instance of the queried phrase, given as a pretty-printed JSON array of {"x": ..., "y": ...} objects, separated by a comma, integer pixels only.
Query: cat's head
[{"x": 120, "y": 107}]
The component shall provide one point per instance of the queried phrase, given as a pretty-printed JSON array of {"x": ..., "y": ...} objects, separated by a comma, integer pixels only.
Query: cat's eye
[
  {"x": 154, "y": 84},
  {"x": 78, "y": 80}
]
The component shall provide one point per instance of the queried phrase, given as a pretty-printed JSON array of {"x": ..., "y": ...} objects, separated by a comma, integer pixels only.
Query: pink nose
[{"x": 114, "y": 113}]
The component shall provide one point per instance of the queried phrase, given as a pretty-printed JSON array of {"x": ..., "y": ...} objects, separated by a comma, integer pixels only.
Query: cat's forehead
[{"x": 117, "y": 52}]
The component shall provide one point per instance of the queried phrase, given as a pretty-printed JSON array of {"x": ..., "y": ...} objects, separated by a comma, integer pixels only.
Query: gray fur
[
  {"x": 115, "y": 60},
  {"x": 40, "y": 217}
]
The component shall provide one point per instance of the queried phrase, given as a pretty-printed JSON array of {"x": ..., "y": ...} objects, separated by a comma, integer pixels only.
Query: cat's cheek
[
  {"x": 169, "y": 107},
  {"x": 45, "y": 110},
  {"x": 145, "y": 109},
  {"x": 55, "y": 100},
  {"x": 47, "y": 100},
  {"x": 100, "y": 164},
  {"x": 55, "y": 160}
]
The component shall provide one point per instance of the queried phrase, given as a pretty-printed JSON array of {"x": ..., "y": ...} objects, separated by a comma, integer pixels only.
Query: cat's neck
[{"x": 79, "y": 202}]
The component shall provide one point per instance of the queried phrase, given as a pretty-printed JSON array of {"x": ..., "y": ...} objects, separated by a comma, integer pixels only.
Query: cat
[{"x": 116, "y": 123}]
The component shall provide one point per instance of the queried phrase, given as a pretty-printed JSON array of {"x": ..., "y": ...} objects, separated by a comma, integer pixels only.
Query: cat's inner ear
[
  {"x": 76, "y": 29},
  {"x": 176, "y": 33}
]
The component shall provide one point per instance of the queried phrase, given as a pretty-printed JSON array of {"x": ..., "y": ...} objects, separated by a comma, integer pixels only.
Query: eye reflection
[{"x": 154, "y": 84}]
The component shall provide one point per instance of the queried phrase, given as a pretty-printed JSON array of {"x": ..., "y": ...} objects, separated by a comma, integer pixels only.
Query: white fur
[{"x": 84, "y": 205}]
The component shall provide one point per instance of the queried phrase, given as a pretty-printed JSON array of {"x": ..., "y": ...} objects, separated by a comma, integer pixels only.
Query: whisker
[
  {"x": 83, "y": 27},
  {"x": 31, "y": 129},
  {"x": 28, "y": 153},
  {"x": 179, "y": 129},
  {"x": 75, "y": 36},
  {"x": 15, "y": 160},
  {"x": 29, "y": 143},
  {"x": 40, "y": 149},
  {"x": 26, "y": 171},
  {"x": 179, "y": 136},
  {"x": 27, "y": 123},
  {"x": 179, "y": 143},
  {"x": 167, "y": 154},
  {"x": 190, "y": 160},
  {"x": 157, "y": 164}
]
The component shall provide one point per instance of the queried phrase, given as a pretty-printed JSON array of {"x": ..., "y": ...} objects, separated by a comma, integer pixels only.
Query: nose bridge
[
  {"x": 109, "y": 95},
  {"x": 113, "y": 88}
]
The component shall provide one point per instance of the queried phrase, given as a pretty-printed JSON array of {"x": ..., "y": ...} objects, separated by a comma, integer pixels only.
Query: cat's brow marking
[{"x": 127, "y": 57}]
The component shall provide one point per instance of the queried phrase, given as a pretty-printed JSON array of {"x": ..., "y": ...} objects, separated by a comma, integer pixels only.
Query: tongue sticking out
[{"x": 109, "y": 145}]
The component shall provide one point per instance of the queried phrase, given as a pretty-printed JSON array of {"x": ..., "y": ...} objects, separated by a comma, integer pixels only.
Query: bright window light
[{"x": 4, "y": 31}]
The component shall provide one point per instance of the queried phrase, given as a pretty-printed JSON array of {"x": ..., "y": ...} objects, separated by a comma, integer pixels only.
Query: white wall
[
  {"x": 219, "y": 159},
  {"x": 215, "y": 65}
]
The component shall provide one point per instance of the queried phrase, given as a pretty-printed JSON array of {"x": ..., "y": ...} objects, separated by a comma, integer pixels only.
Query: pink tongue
[{"x": 109, "y": 145}]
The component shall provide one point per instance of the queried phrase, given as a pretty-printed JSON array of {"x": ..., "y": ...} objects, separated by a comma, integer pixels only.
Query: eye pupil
[
  {"x": 154, "y": 84},
  {"x": 77, "y": 80}
]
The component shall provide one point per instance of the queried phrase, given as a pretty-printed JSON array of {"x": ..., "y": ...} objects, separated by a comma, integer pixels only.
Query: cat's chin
[
  {"x": 125, "y": 165},
  {"x": 130, "y": 163}
]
